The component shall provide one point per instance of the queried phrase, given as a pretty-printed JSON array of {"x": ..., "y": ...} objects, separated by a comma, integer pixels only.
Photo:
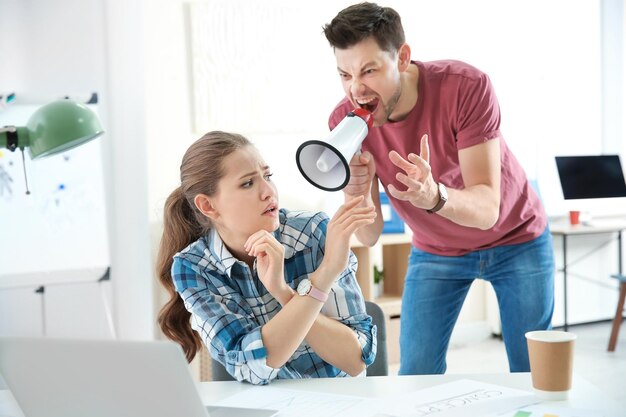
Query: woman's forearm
[
  {"x": 287, "y": 329},
  {"x": 337, "y": 344}
]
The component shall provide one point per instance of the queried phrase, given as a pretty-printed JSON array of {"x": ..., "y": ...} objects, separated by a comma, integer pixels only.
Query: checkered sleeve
[
  {"x": 225, "y": 323},
  {"x": 346, "y": 304}
]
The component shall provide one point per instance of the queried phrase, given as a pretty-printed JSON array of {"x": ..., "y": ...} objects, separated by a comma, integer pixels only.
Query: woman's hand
[
  {"x": 348, "y": 218},
  {"x": 270, "y": 260}
]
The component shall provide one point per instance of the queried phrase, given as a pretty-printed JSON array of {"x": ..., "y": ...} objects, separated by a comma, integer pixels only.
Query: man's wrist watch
[
  {"x": 306, "y": 288},
  {"x": 443, "y": 197}
]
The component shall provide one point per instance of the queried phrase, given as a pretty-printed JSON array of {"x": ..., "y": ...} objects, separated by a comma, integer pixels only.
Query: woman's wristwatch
[{"x": 306, "y": 288}]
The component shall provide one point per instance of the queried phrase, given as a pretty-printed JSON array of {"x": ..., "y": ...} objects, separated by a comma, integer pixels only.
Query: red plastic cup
[{"x": 574, "y": 217}]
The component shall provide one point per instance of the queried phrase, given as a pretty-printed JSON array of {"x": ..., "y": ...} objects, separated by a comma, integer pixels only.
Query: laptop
[{"x": 104, "y": 378}]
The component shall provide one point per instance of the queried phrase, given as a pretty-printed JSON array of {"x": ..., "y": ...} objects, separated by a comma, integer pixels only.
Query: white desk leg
[
  {"x": 107, "y": 309},
  {"x": 42, "y": 290}
]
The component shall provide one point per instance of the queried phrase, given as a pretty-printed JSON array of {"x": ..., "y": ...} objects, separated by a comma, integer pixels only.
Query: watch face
[
  {"x": 443, "y": 192},
  {"x": 304, "y": 287}
]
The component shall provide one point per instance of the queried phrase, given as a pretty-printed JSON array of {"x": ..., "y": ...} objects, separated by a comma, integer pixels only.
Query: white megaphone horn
[{"x": 326, "y": 164}]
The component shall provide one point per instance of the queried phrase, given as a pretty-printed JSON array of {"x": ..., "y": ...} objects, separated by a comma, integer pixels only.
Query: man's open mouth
[{"x": 369, "y": 104}]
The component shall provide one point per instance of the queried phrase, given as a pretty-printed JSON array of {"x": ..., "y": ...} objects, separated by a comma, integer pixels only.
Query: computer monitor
[{"x": 591, "y": 176}]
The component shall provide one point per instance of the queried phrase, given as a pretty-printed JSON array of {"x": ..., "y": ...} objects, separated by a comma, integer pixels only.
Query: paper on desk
[
  {"x": 464, "y": 397},
  {"x": 296, "y": 403},
  {"x": 543, "y": 410}
]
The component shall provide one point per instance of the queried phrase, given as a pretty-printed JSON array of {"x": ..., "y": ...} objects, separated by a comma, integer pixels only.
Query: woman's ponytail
[{"x": 180, "y": 229}]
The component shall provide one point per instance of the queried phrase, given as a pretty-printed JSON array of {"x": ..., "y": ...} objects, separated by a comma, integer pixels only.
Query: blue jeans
[{"x": 435, "y": 287}]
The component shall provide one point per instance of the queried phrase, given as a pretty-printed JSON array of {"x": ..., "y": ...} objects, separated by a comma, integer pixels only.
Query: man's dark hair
[{"x": 360, "y": 21}]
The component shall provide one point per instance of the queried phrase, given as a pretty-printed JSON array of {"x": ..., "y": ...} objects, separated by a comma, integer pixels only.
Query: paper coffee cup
[{"x": 551, "y": 355}]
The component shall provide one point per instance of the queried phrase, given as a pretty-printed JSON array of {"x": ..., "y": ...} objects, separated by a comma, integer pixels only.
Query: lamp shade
[{"x": 58, "y": 127}]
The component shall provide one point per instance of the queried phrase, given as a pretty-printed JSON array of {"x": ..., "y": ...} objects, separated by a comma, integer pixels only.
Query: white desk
[
  {"x": 44, "y": 279},
  {"x": 603, "y": 225},
  {"x": 584, "y": 395}
]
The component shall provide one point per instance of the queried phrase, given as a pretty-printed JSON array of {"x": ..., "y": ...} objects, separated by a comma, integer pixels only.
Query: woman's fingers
[
  {"x": 354, "y": 226},
  {"x": 355, "y": 221},
  {"x": 261, "y": 248},
  {"x": 260, "y": 236},
  {"x": 345, "y": 209},
  {"x": 348, "y": 215}
]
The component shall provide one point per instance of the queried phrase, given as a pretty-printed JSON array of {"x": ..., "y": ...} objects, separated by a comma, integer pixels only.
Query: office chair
[
  {"x": 219, "y": 373},
  {"x": 380, "y": 366}
]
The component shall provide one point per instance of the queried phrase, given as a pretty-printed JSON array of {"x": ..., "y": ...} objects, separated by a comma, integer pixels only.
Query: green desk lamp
[{"x": 56, "y": 127}]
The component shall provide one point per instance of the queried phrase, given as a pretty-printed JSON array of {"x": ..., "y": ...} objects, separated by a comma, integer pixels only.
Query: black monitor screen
[{"x": 597, "y": 176}]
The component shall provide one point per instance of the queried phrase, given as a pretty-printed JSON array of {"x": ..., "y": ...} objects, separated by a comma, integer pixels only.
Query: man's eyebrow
[{"x": 367, "y": 64}]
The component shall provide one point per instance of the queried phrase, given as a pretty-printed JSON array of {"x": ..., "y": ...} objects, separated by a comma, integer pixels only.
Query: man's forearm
[{"x": 476, "y": 206}]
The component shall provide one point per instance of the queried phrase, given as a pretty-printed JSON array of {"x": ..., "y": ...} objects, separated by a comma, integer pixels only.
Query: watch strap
[
  {"x": 440, "y": 203},
  {"x": 318, "y": 294}
]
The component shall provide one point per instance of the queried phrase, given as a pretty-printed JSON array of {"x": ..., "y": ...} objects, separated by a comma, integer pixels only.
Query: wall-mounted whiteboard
[{"x": 62, "y": 224}]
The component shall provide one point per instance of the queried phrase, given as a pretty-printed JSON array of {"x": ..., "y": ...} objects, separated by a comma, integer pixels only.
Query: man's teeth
[{"x": 363, "y": 101}]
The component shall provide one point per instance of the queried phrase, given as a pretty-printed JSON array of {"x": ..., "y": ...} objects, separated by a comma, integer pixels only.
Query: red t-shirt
[{"x": 457, "y": 108}]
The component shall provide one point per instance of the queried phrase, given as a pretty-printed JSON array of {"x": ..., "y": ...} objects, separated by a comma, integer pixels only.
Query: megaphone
[{"x": 326, "y": 164}]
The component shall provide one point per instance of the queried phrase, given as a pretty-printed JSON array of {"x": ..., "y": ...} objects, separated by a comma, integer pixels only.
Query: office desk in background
[
  {"x": 564, "y": 230},
  {"x": 584, "y": 395}
]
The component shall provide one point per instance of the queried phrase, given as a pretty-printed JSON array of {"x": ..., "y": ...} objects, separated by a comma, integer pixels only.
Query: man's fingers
[
  {"x": 400, "y": 162},
  {"x": 411, "y": 183},
  {"x": 425, "y": 149},
  {"x": 395, "y": 193},
  {"x": 420, "y": 165}
]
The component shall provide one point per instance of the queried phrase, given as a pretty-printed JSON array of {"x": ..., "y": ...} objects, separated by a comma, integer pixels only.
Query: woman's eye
[
  {"x": 268, "y": 177},
  {"x": 247, "y": 184}
]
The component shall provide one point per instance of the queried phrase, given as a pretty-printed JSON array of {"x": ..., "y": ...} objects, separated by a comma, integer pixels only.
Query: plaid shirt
[{"x": 229, "y": 304}]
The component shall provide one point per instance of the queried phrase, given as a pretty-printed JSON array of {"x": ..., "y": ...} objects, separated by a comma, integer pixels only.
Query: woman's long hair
[{"x": 183, "y": 224}]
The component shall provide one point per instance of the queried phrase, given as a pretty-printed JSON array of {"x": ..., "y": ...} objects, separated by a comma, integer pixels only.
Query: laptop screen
[{"x": 593, "y": 176}]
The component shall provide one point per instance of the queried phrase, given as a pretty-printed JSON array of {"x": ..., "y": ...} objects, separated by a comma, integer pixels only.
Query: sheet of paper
[
  {"x": 545, "y": 410},
  {"x": 464, "y": 398},
  {"x": 295, "y": 403}
]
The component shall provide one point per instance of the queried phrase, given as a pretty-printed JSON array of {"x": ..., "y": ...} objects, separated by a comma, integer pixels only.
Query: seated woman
[{"x": 271, "y": 292}]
